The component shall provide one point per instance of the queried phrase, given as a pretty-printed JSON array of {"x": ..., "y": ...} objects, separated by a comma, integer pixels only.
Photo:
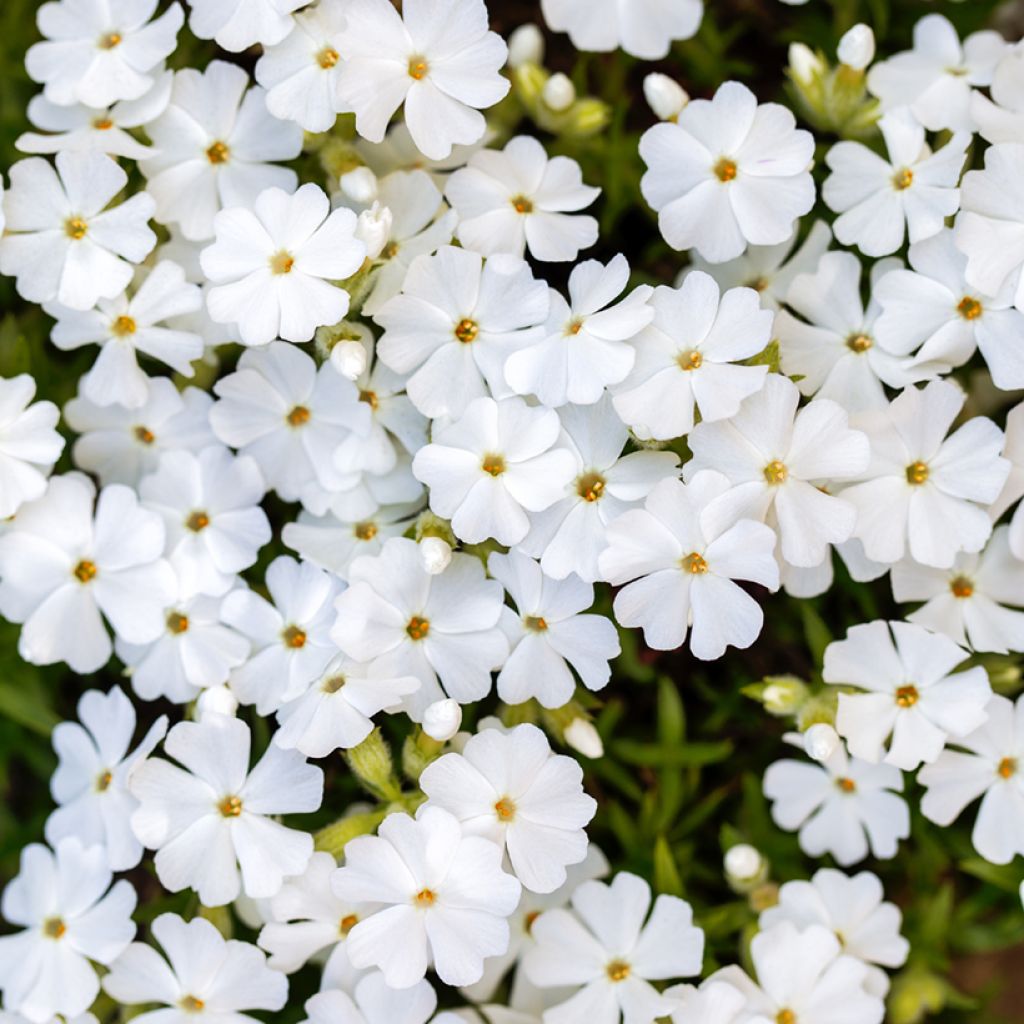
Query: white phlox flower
[{"x": 373, "y": 1001}]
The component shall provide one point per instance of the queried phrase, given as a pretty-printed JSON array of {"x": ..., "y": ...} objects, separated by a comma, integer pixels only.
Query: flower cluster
[{"x": 370, "y": 438}]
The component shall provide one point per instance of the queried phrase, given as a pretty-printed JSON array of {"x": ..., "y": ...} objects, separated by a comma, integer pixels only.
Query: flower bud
[
  {"x": 349, "y": 359},
  {"x": 783, "y": 695},
  {"x": 857, "y": 47},
  {"x": 371, "y": 762},
  {"x": 804, "y": 64},
  {"x": 525, "y": 46},
  {"x": 442, "y": 719},
  {"x": 821, "y": 741},
  {"x": 583, "y": 737},
  {"x": 559, "y": 93},
  {"x": 359, "y": 185},
  {"x": 435, "y": 554},
  {"x": 744, "y": 865},
  {"x": 374, "y": 229},
  {"x": 217, "y": 700},
  {"x": 665, "y": 96}
]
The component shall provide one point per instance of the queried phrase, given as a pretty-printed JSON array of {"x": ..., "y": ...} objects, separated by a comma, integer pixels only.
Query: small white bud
[
  {"x": 743, "y": 863},
  {"x": 360, "y": 185},
  {"x": 559, "y": 93},
  {"x": 374, "y": 229},
  {"x": 442, "y": 719},
  {"x": 665, "y": 96},
  {"x": 804, "y": 63},
  {"x": 349, "y": 359},
  {"x": 435, "y": 554},
  {"x": 857, "y": 47},
  {"x": 525, "y": 46},
  {"x": 582, "y": 736},
  {"x": 217, "y": 700},
  {"x": 821, "y": 741}
]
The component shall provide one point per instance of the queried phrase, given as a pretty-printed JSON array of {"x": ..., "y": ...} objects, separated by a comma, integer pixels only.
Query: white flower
[
  {"x": 549, "y": 635},
  {"x": 415, "y": 624},
  {"x": 586, "y": 345},
  {"x": 883, "y": 201},
  {"x": 643, "y": 28},
  {"x": 64, "y": 570},
  {"x": 803, "y": 975},
  {"x": 990, "y": 228},
  {"x": 106, "y": 129},
  {"x": 966, "y": 601},
  {"x": 123, "y": 327},
  {"x": 609, "y": 951},
  {"x": 989, "y": 767},
  {"x": 291, "y": 645},
  {"x": 307, "y": 921},
  {"x": 1000, "y": 119},
  {"x": 683, "y": 554},
  {"x": 569, "y": 536},
  {"x": 214, "y": 816},
  {"x": 90, "y": 783},
  {"x": 837, "y": 349},
  {"x": 774, "y": 455},
  {"x": 937, "y": 78},
  {"x": 518, "y": 199},
  {"x": 684, "y": 358},
  {"x": 238, "y": 24},
  {"x": 121, "y": 445},
  {"x": 715, "y": 1002},
  {"x": 210, "y": 507},
  {"x": 204, "y": 978},
  {"x": 922, "y": 490},
  {"x": 456, "y": 322},
  {"x": 373, "y": 1002},
  {"x": 338, "y": 708},
  {"x": 29, "y": 443},
  {"x": 442, "y": 62},
  {"x": 302, "y": 72},
  {"x": 729, "y": 173},
  {"x": 290, "y": 417},
  {"x": 215, "y": 144},
  {"x": 932, "y": 310},
  {"x": 443, "y": 899},
  {"x": 491, "y": 466},
  {"x": 195, "y": 652},
  {"x": 843, "y": 807},
  {"x": 61, "y": 242},
  {"x": 853, "y": 908},
  {"x": 273, "y": 265},
  {"x": 510, "y": 788},
  {"x": 68, "y": 916},
  {"x": 95, "y": 52}
]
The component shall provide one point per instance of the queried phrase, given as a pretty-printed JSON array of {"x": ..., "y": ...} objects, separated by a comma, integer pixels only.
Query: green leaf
[
  {"x": 666, "y": 874},
  {"x": 26, "y": 705}
]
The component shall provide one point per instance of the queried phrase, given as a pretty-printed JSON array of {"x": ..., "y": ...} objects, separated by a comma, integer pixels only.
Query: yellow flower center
[
  {"x": 535, "y": 623},
  {"x": 425, "y": 898},
  {"x": 617, "y": 970},
  {"x": 103, "y": 124},
  {"x": 692, "y": 360},
  {"x": 418, "y": 68},
  {"x": 76, "y": 228},
  {"x": 144, "y": 435},
  {"x": 327, "y": 58},
  {"x": 903, "y": 179},
  {"x": 332, "y": 684},
  {"x": 467, "y": 331},
  {"x": 177, "y": 623},
  {"x": 785, "y": 1017},
  {"x": 197, "y": 521},
  {"x": 573, "y": 327},
  {"x": 365, "y": 531},
  {"x": 390, "y": 251},
  {"x": 907, "y": 696},
  {"x": 230, "y": 806},
  {"x": 493, "y": 465},
  {"x": 370, "y": 398},
  {"x": 970, "y": 308},
  {"x": 859, "y": 343},
  {"x": 917, "y": 473},
  {"x": 961, "y": 586},
  {"x": 54, "y": 928},
  {"x": 694, "y": 564},
  {"x": 590, "y": 487},
  {"x": 528, "y": 920},
  {"x": 726, "y": 170},
  {"x": 776, "y": 472},
  {"x": 294, "y": 637},
  {"x": 85, "y": 571},
  {"x": 123, "y": 327},
  {"x": 1007, "y": 767},
  {"x": 103, "y": 781},
  {"x": 218, "y": 153},
  {"x": 282, "y": 263},
  {"x": 110, "y": 40},
  {"x": 417, "y": 628},
  {"x": 347, "y": 923},
  {"x": 505, "y": 809},
  {"x": 191, "y": 1004},
  {"x": 522, "y": 204},
  {"x": 298, "y": 417},
  {"x": 847, "y": 785}
]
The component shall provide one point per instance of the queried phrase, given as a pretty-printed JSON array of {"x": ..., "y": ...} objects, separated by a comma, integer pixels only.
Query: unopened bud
[
  {"x": 360, "y": 185},
  {"x": 217, "y": 700},
  {"x": 559, "y": 93},
  {"x": 857, "y": 47},
  {"x": 804, "y": 64},
  {"x": 435, "y": 555},
  {"x": 349, "y": 359},
  {"x": 821, "y": 741},
  {"x": 525, "y": 46},
  {"x": 374, "y": 229},
  {"x": 744, "y": 864},
  {"x": 583, "y": 737},
  {"x": 665, "y": 96},
  {"x": 442, "y": 719},
  {"x": 372, "y": 764},
  {"x": 783, "y": 695}
]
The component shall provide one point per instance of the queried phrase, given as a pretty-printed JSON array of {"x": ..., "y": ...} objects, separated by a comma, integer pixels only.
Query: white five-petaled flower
[
  {"x": 519, "y": 199},
  {"x": 214, "y": 817},
  {"x": 440, "y": 60},
  {"x": 728, "y": 174},
  {"x": 29, "y": 443},
  {"x": 62, "y": 242},
  {"x": 510, "y": 788},
  {"x": 443, "y": 899}
]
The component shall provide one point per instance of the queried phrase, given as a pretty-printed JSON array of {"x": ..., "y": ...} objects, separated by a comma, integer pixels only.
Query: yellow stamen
[
  {"x": 776, "y": 472},
  {"x": 522, "y": 204},
  {"x": 694, "y": 564},
  {"x": 197, "y": 521},
  {"x": 123, "y": 327},
  {"x": 230, "y": 806},
  {"x": 726, "y": 170},
  {"x": 298, "y": 417},
  {"x": 528, "y": 920},
  {"x": 103, "y": 124},
  {"x": 110, "y": 41},
  {"x": 467, "y": 331},
  {"x": 961, "y": 586},
  {"x": 282, "y": 263},
  {"x": 177, "y": 623},
  {"x": 785, "y": 1017},
  {"x": 425, "y": 898},
  {"x": 847, "y": 785},
  {"x": 365, "y": 531},
  {"x": 917, "y": 473},
  {"x": 294, "y": 637},
  {"x": 54, "y": 928},
  {"x": 493, "y": 464},
  {"x": 1007, "y": 767},
  {"x": 327, "y": 58},
  {"x": 859, "y": 343},
  {"x": 692, "y": 360},
  {"x": 76, "y": 228},
  {"x": 218, "y": 153},
  {"x": 370, "y": 398},
  {"x": 85, "y": 571},
  {"x": 903, "y": 179},
  {"x": 190, "y": 1004},
  {"x": 418, "y": 68},
  {"x": 617, "y": 970},
  {"x": 144, "y": 435},
  {"x": 505, "y": 809},
  {"x": 535, "y": 623},
  {"x": 348, "y": 922},
  {"x": 970, "y": 308},
  {"x": 417, "y": 628},
  {"x": 590, "y": 487},
  {"x": 103, "y": 781},
  {"x": 907, "y": 696}
]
